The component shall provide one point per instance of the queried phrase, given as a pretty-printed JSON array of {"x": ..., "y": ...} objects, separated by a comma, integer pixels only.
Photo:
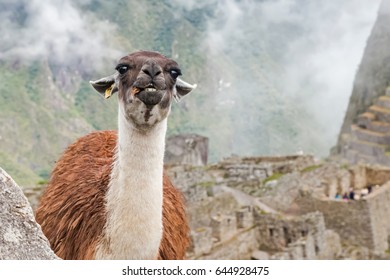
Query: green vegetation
[
  {"x": 200, "y": 229},
  {"x": 311, "y": 168},
  {"x": 273, "y": 177},
  {"x": 42, "y": 182},
  {"x": 387, "y": 152},
  {"x": 206, "y": 184}
]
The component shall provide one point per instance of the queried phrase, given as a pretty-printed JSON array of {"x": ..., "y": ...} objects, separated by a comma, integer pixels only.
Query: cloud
[
  {"x": 315, "y": 48},
  {"x": 56, "y": 29}
]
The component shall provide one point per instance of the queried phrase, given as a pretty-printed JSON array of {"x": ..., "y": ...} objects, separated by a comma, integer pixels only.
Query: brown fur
[{"x": 72, "y": 211}]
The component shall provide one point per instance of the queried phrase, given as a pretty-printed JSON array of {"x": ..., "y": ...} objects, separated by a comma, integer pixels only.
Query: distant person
[
  {"x": 338, "y": 196},
  {"x": 352, "y": 195},
  {"x": 369, "y": 189},
  {"x": 345, "y": 196}
]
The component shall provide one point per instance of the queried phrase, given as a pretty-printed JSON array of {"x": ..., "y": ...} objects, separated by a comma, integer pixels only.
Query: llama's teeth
[{"x": 150, "y": 89}]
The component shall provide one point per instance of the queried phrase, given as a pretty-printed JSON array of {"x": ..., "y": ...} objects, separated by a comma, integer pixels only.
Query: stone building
[{"x": 191, "y": 149}]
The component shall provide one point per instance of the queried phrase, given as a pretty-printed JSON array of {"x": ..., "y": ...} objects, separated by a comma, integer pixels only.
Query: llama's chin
[{"x": 145, "y": 117}]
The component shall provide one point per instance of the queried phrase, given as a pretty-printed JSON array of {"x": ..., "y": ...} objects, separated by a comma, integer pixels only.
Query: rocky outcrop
[
  {"x": 373, "y": 76},
  {"x": 21, "y": 237}
]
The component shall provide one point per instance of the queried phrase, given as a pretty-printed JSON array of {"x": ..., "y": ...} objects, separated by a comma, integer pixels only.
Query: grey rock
[{"x": 21, "y": 238}]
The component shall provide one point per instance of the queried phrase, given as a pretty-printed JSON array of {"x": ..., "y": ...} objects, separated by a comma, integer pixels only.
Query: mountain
[
  {"x": 256, "y": 94},
  {"x": 373, "y": 76}
]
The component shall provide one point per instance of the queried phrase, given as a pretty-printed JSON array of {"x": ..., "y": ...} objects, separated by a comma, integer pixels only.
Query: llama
[{"x": 108, "y": 196}]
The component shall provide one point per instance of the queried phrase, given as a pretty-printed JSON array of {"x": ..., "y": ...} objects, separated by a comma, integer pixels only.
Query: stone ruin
[
  {"x": 189, "y": 149},
  {"x": 252, "y": 208},
  {"x": 229, "y": 222},
  {"x": 297, "y": 238},
  {"x": 285, "y": 208}
]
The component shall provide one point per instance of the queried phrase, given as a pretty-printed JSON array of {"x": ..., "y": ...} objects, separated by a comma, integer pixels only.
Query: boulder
[{"x": 21, "y": 238}]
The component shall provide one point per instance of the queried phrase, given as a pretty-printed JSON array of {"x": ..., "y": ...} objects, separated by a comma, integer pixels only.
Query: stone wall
[
  {"x": 379, "y": 212},
  {"x": 240, "y": 169},
  {"x": 350, "y": 219},
  {"x": 377, "y": 175}
]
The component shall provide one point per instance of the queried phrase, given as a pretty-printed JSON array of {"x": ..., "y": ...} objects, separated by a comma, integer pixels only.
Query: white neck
[{"x": 134, "y": 199}]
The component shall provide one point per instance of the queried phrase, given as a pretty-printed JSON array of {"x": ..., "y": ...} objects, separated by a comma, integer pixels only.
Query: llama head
[{"x": 146, "y": 83}]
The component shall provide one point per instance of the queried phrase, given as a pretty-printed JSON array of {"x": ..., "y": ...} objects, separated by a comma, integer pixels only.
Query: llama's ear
[
  {"x": 182, "y": 89},
  {"x": 106, "y": 86}
]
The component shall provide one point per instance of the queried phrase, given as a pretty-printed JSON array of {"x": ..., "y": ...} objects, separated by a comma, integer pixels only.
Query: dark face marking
[{"x": 147, "y": 113}]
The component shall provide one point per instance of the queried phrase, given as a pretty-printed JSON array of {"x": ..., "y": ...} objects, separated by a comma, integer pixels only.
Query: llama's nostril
[{"x": 146, "y": 71}]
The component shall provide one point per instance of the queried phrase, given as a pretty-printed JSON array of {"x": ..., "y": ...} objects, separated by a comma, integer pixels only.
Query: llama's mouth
[
  {"x": 136, "y": 90},
  {"x": 150, "y": 96}
]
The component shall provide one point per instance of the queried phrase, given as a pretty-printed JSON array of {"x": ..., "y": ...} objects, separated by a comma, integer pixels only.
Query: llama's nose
[{"x": 151, "y": 69}]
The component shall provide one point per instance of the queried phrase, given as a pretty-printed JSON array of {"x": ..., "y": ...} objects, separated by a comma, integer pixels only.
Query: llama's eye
[
  {"x": 122, "y": 69},
  {"x": 174, "y": 73}
]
